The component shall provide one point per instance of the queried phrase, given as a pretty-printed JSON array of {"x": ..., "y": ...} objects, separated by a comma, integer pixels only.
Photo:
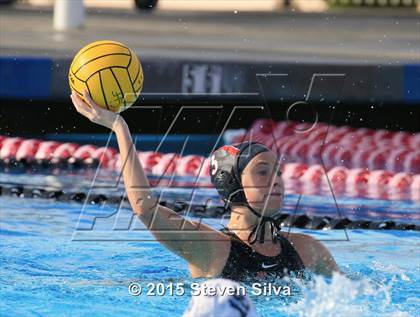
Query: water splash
[{"x": 342, "y": 296}]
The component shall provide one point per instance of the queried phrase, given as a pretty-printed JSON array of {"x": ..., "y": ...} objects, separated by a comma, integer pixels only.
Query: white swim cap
[{"x": 221, "y": 304}]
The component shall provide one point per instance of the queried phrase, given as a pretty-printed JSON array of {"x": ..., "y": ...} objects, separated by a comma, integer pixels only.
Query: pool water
[{"x": 46, "y": 272}]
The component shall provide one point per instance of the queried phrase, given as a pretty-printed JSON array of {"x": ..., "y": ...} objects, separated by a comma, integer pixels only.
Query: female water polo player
[{"x": 247, "y": 177}]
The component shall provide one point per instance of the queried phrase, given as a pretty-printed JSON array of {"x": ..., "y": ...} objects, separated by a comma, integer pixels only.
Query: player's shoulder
[
  {"x": 301, "y": 240},
  {"x": 297, "y": 237}
]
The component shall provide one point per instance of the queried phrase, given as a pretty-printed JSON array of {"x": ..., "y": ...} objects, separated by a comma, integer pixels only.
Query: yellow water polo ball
[{"x": 110, "y": 72}]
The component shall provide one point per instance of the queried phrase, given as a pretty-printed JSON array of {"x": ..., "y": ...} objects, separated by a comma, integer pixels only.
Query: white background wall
[{"x": 198, "y": 5}]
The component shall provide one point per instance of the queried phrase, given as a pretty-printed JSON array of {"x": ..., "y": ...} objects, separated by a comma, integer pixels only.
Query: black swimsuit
[{"x": 245, "y": 263}]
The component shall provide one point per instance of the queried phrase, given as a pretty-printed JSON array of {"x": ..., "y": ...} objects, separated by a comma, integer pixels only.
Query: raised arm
[{"x": 198, "y": 244}]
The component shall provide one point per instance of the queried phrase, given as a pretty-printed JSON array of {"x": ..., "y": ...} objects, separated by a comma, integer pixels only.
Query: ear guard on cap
[
  {"x": 222, "y": 164},
  {"x": 226, "y": 166}
]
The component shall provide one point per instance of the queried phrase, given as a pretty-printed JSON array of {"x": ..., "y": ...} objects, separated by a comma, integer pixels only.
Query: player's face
[{"x": 263, "y": 184}]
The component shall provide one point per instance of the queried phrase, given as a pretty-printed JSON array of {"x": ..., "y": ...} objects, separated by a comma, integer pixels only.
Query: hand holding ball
[
  {"x": 88, "y": 108},
  {"x": 110, "y": 72}
]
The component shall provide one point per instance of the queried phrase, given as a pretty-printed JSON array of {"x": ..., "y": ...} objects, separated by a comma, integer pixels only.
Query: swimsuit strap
[
  {"x": 287, "y": 247},
  {"x": 233, "y": 237},
  {"x": 289, "y": 252}
]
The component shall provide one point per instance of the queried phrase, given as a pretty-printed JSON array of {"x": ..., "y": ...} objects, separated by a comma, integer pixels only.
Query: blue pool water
[{"x": 45, "y": 271}]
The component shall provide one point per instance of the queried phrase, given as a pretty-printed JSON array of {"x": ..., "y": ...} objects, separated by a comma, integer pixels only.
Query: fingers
[
  {"x": 80, "y": 105},
  {"x": 89, "y": 100},
  {"x": 78, "y": 102}
]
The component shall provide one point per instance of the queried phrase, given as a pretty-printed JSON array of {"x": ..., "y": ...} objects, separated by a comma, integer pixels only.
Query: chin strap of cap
[{"x": 258, "y": 232}]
